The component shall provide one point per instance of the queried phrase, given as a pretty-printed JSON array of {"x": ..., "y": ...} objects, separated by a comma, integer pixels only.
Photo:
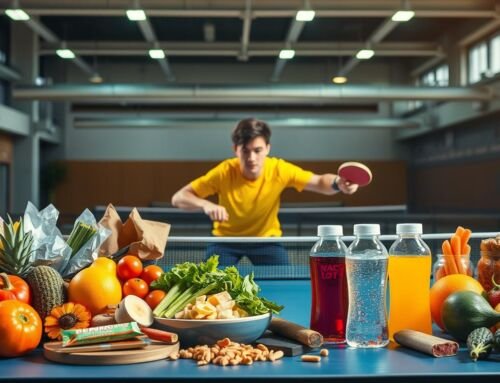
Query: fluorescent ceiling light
[
  {"x": 17, "y": 14},
  {"x": 305, "y": 15},
  {"x": 156, "y": 54},
  {"x": 65, "y": 53},
  {"x": 403, "y": 16},
  {"x": 365, "y": 54},
  {"x": 339, "y": 79},
  {"x": 287, "y": 54},
  {"x": 136, "y": 14}
]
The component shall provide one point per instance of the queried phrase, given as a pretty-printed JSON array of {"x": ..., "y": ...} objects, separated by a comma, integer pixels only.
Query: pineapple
[{"x": 15, "y": 248}]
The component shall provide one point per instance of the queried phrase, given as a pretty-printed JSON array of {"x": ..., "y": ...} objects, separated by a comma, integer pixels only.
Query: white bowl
[{"x": 208, "y": 331}]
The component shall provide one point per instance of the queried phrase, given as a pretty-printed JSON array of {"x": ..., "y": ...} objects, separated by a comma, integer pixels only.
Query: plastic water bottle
[
  {"x": 409, "y": 281},
  {"x": 329, "y": 284},
  {"x": 366, "y": 266}
]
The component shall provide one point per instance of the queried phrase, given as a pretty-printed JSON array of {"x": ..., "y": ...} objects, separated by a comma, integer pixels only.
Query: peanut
[
  {"x": 324, "y": 352},
  {"x": 310, "y": 358},
  {"x": 225, "y": 352}
]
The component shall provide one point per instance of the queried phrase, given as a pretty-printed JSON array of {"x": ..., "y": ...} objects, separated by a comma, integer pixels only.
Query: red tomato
[
  {"x": 20, "y": 328},
  {"x": 154, "y": 297},
  {"x": 151, "y": 273},
  {"x": 135, "y": 286},
  {"x": 14, "y": 287},
  {"x": 128, "y": 267}
]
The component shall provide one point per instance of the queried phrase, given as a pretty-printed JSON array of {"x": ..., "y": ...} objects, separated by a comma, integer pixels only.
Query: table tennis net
[{"x": 297, "y": 250}]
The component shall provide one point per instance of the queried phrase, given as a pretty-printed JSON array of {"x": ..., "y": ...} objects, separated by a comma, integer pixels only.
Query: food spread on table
[{"x": 120, "y": 307}]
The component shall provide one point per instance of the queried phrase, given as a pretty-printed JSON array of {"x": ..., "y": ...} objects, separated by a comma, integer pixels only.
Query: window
[
  {"x": 437, "y": 76},
  {"x": 484, "y": 59},
  {"x": 495, "y": 54}
]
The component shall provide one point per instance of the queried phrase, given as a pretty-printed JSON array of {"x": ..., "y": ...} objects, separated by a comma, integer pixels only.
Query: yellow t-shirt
[{"x": 252, "y": 205}]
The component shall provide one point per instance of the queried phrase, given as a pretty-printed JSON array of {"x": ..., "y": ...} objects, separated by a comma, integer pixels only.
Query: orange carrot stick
[
  {"x": 467, "y": 250},
  {"x": 460, "y": 230},
  {"x": 457, "y": 252},
  {"x": 465, "y": 238},
  {"x": 450, "y": 266}
]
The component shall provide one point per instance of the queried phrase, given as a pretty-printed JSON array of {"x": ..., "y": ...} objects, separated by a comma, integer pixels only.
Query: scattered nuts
[{"x": 310, "y": 358}]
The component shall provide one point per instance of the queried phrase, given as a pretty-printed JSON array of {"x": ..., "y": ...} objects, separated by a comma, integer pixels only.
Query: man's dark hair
[{"x": 248, "y": 129}]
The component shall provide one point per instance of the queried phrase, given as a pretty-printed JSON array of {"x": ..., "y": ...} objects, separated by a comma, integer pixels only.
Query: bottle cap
[
  {"x": 409, "y": 228},
  {"x": 325, "y": 230},
  {"x": 367, "y": 229}
]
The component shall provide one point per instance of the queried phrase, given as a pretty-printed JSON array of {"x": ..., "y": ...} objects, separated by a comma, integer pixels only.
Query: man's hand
[
  {"x": 216, "y": 212},
  {"x": 345, "y": 186}
]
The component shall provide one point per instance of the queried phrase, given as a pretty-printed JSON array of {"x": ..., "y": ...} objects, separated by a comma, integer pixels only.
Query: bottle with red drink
[{"x": 329, "y": 284}]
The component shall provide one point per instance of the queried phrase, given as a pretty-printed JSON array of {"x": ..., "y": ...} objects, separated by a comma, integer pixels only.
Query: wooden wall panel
[
  {"x": 6, "y": 149},
  {"x": 124, "y": 183}
]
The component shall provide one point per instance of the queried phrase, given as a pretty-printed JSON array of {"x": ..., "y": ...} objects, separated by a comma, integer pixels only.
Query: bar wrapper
[
  {"x": 141, "y": 237},
  {"x": 100, "y": 334},
  {"x": 429, "y": 344},
  {"x": 49, "y": 246}
]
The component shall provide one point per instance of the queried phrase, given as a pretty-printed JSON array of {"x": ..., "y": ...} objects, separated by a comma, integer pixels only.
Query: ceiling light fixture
[
  {"x": 405, "y": 13},
  {"x": 365, "y": 54},
  {"x": 65, "y": 53},
  {"x": 339, "y": 80},
  {"x": 17, "y": 14},
  {"x": 96, "y": 79},
  {"x": 136, "y": 14},
  {"x": 156, "y": 54},
  {"x": 402, "y": 16},
  {"x": 305, "y": 15},
  {"x": 287, "y": 54}
]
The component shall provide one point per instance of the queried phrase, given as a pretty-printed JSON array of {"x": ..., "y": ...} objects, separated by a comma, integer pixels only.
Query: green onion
[{"x": 79, "y": 236}]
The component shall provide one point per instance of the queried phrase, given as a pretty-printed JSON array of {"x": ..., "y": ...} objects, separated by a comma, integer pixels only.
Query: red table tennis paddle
[{"x": 356, "y": 173}]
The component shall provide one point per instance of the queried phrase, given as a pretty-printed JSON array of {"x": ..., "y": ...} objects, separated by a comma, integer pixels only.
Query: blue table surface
[{"x": 343, "y": 363}]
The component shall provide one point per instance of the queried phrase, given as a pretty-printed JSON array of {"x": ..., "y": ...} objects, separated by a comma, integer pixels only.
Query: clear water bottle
[
  {"x": 366, "y": 266},
  {"x": 409, "y": 281},
  {"x": 329, "y": 284}
]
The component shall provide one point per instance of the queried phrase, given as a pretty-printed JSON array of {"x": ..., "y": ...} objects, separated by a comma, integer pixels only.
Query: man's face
[{"x": 252, "y": 157}]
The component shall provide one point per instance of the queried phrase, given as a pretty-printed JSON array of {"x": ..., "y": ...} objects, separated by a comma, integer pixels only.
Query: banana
[{"x": 134, "y": 309}]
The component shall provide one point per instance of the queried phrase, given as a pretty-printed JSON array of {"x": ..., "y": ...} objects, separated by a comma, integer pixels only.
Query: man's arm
[
  {"x": 187, "y": 199},
  {"x": 323, "y": 184}
]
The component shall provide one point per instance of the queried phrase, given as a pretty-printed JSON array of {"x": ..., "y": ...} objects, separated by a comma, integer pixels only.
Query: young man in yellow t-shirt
[{"x": 249, "y": 188}]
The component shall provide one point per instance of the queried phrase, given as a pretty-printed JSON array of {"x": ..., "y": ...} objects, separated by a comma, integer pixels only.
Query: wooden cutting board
[{"x": 155, "y": 351}]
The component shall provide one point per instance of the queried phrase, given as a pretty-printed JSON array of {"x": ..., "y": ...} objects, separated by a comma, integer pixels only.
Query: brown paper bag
[
  {"x": 113, "y": 222},
  {"x": 146, "y": 239}
]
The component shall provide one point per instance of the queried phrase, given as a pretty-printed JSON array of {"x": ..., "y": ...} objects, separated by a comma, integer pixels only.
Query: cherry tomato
[
  {"x": 135, "y": 286},
  {"x": 128, "y": 267},
  {"x": 154, "y": 297},
  {"x": 151, "y": 273}
]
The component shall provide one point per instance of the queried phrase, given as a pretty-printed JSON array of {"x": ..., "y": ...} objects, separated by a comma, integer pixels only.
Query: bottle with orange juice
[{"x": 409, "y": 281}]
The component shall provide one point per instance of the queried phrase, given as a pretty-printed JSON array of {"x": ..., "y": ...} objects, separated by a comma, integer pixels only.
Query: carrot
[
  {"x": 467, "y": 250},
  {"x": 460, "y": 230},
  {"x": 465, "y": 238},
  {"x": 450, "y": 266},
  {"x": 162, "y": 336},
  {"x": 457, "y": 252}
]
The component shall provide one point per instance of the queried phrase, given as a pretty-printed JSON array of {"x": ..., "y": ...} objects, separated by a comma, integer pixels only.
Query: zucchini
[
  {"x": 464, "y": 311},
  {"x": 480, "y": 343}
]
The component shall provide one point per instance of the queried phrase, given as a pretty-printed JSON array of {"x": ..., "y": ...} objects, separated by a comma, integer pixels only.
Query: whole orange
[{"x": 446, "y": 286}]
